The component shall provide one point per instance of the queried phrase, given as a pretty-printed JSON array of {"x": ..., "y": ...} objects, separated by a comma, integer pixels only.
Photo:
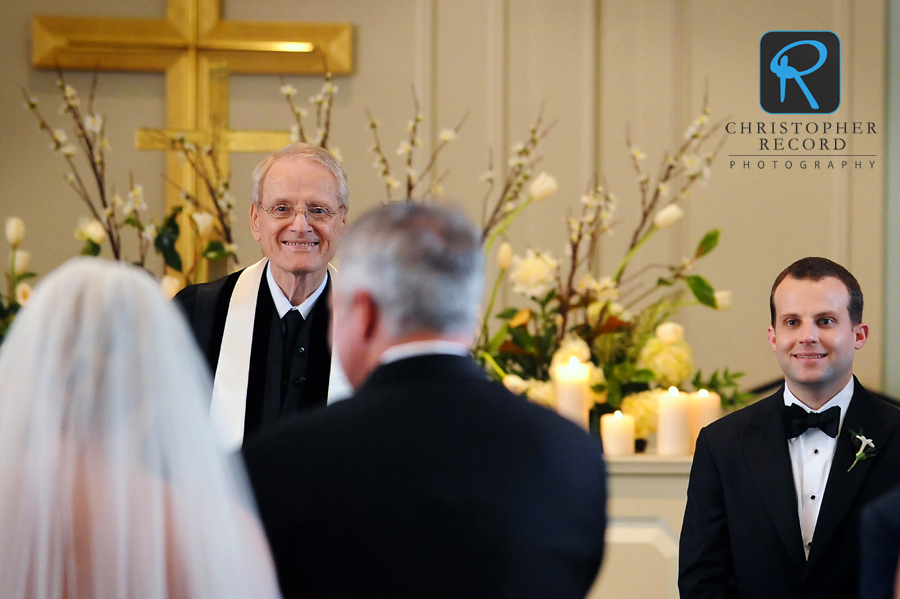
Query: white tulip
[
  {"x": 204, "y": 221},
  {"x": 723, "y": 300},
  {"x": 670, "y": 332},
  {"x": 170, "y": 286},
  {"x": 15, "y": 231},
  {"x": 23, "y": 293},
  {"x": 515, "y": 384},
  {"x": 668, "y": 216},
  {"x": 542, "y": 187},
  {"x": 23, "y": 261},
  {"x": 504, "y": 256}
]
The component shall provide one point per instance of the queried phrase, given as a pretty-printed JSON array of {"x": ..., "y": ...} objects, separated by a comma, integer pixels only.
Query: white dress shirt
[
  {"x": 421, "y": 348},
  {"x": 811, "y": 457},
  {"x": 283, "y": 304}
]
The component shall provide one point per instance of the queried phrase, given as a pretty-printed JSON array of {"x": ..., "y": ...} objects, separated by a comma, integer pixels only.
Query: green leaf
[
  {"x": 644, "y": 375},
  {"x": 90, "y": 249},
  {"x": 497, "y": 339},
  {"x": 215, "y": 250},
  {"x": 547, "y": 299},
  {"x": 27, "y": 275},
  {"x": 707, "y": 244},
  {"x": 702, "y": 290},
  {"x": 508, "y": 313},
  {"x": 663, "y": 282},
  {"x": 131, "y": 221},
  {"x": 166, "y": 236}
]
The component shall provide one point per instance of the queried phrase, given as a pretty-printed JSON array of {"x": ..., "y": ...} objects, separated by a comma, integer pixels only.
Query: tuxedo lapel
[
  {"x": 843, "y": 486},
  {"x": 764, "y": 443}
]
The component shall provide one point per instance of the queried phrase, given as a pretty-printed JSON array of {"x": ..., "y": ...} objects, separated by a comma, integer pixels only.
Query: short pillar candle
[
  {"x": 617, "y": 432},
  {"x": 572, "y": 391},
  {"x": 706, "y": 407},
  {"x": 673, "y": 434}
]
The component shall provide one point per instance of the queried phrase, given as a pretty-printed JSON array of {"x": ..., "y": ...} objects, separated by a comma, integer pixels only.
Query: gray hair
[
  {"x": 301, "y": 152},
  {"x": 423, "y": 266}
]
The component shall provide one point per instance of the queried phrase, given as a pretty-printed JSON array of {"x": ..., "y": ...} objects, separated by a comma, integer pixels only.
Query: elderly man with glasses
[{"x": 265, "y": 329}]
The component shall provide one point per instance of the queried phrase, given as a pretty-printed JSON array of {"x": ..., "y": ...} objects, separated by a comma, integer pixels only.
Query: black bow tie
[{"x": 797, "y": 421}]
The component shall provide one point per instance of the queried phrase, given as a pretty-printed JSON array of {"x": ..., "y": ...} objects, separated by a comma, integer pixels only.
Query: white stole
[{"x": 229, "y": 401}]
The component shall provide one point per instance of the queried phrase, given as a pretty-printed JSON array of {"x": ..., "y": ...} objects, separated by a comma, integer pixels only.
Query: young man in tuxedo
[
  {"x": 264, "y": 329},
  {"x": 775, "y": 494},
  {"x": 432, "y": 480}
]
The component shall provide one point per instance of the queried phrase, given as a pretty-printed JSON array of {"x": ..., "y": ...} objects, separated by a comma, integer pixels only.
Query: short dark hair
[{"x": 817, "y": 268}]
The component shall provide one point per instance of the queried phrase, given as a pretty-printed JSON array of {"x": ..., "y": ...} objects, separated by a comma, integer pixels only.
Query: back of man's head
[
  {"x": 816, "y": 268},
  {"x": 422, "y": 265}
]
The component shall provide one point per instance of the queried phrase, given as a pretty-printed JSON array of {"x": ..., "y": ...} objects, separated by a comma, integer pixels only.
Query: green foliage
[
  {"x": 166, "y": 237},
  {"x": 707, "y": 244},
  {"x": 90, "y": 248},
  {"x": 726, "y": 385},
  {"x": 216, "y": 250},
  {"x": 702, "y": 290}
]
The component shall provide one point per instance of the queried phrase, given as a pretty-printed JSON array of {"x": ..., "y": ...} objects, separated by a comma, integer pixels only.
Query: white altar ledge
[{"x": 647, "y": 495}]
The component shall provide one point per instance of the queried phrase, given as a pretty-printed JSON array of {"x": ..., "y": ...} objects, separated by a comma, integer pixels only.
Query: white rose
[
  {"x": 23, "y": 293},
  {"x": 542, "y": 187},
  {"x": 534, "y": 275},
  {"x": 170, "y": 286},
  {"x": 15, "y": 231},
  {"x": 542, "y": 392},
  {"x": 668, "y": 216},
  {"x": 723, "y": 300},
  {"x": 204, "y": 221},
  {"x": 515, "y": 384},
  {"x": 91, "y": 229},
  {"x": 23, "y": 260},
  {"x": 504, "y": 256},
  {"x": 670, "y": 332},
  {"x": 571, "y": 347}
]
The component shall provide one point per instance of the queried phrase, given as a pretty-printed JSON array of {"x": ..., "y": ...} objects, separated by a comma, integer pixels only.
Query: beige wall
[{"x": 594, "y": 65}]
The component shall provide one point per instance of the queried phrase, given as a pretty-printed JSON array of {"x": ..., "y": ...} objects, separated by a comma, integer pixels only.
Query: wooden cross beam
[{"x": 188, "y": 45}]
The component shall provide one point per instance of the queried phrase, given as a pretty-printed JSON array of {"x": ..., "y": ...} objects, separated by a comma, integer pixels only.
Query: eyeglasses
[{"x": 318, "y": 214}]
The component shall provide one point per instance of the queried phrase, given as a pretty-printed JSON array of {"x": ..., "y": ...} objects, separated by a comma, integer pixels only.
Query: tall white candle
[
  {"x": 617, "y": 432},
  {"x": 572, "y": 391},
  {"x": 706, "y": 407},
  {"x": 673, "y": 434}
]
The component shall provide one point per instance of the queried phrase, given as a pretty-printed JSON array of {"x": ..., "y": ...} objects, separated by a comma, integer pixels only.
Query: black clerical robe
[{"x": 314, "y": 378}]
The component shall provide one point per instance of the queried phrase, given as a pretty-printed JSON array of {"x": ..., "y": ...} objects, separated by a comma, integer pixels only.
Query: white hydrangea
[
  {"x": 644, "y": 408},
  {"x": 672, "y": 363}
]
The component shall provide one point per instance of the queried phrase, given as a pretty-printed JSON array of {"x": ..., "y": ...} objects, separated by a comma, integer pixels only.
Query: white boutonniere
[{"x": 865, "y": 448}]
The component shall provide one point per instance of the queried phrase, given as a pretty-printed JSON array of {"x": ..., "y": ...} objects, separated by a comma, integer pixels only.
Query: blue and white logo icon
[{"x": 800, "y": 72}]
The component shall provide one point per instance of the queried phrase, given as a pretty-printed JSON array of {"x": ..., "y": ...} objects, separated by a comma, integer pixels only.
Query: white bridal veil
[{"x": 111, "y": 483}]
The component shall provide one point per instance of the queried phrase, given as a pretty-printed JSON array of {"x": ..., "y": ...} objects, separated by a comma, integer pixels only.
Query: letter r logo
[{"x": 800, "y": 72}]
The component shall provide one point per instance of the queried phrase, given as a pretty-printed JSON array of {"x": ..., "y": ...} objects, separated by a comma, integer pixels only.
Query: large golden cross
[{"x": 188, "y": 46}]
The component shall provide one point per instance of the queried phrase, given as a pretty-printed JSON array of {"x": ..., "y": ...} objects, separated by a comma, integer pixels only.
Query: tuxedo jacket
[
  {"x": 880, "y": 546},
  {"x": 206, "y": 307},
  {"x": 741, "y": 533},
  {"x": 432, "y": 481}
]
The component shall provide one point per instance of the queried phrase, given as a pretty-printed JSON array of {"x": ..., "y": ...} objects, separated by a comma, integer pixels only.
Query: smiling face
[
  {"x": 814, "y": 338},
  {"x": 297, "y": 248}
]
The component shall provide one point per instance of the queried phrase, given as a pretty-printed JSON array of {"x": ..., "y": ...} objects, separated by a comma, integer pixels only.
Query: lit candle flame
[
  {"x": 618, "y": 414},
  {"x": 573, "y": 362},
  {"x": 673, "y": 391},
  {"x": 704, "y": 393}
]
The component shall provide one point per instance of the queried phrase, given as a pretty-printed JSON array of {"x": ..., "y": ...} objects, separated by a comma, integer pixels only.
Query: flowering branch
[{"x": 407, "y": 149}]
